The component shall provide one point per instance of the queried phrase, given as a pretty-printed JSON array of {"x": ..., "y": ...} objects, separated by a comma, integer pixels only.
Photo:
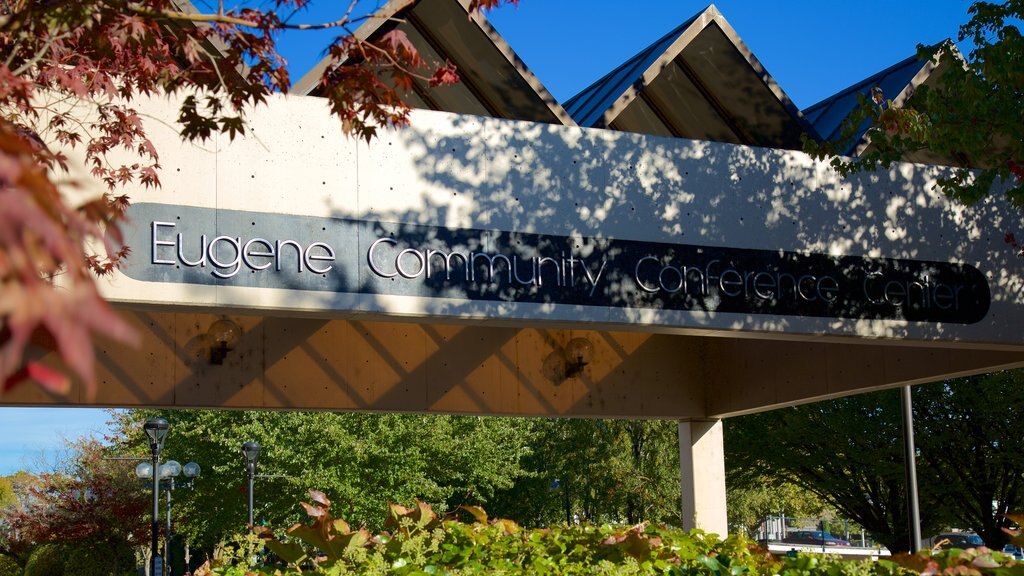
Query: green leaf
[{"x": 290, "y": 552}]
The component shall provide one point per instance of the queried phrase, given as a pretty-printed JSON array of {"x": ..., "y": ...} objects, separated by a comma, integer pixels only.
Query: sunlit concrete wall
[{"x": 465, "y": 172}]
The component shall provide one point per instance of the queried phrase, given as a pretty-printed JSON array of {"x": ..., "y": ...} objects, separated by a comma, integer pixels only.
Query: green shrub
[
  {"x": 418, "y": 542},
  {"x": 242, "y": 550},
  {"x": 46, "y": 560},
  {"x": 85, "y": 560},
  {"x": 9, "y": 567},
  {"x": 82, "y": 561}
]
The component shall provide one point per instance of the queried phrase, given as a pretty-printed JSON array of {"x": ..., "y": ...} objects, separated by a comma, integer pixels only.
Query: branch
[
  {"x": 175, "y": 15},
  {"x": 28, "y": 64},
  {"x": 221, "y": 18}
]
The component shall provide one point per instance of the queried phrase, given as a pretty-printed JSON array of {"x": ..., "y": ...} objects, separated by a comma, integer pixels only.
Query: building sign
[{"x": 224, "y": 247}]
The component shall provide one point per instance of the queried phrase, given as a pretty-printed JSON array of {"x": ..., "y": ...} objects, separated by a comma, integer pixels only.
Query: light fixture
[
  {"x": 191, "y": 470},
  {"x": 144, "y": 471},
  {"x": 170, "y": 469},
  {"x": 224, "y": 336},
  {"x": 156, "y": 430},
  {"x": 251, "y": 452},
  {"x": 569, "y": 361},
  {"x": 578, "y": 353}
]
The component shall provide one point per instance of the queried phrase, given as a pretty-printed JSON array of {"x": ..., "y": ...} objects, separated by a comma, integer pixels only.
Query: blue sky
[
  {"x": 813, "y": 48},
  {"x": 32, "y": 438}
]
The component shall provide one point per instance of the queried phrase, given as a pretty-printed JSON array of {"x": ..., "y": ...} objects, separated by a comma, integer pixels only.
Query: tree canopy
[
  {"x": 847, "y": 451},
  {"x": 970, "y": 439},
  {"x": 90, "y": 502},
  {"x": 361, "y": 461},
  {"x": 970, "y": 436},
  {"x": 610, "y": 470}
]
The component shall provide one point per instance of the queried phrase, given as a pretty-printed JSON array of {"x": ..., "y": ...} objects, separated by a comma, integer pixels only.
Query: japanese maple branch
[
  {"x": 394, "y": 63},
  {"x": 222, "y": 18},
  {"x": 39, "y": 55}
]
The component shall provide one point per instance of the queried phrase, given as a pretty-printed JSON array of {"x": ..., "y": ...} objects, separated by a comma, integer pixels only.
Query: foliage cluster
[
  {"x": 93, "y": 509},
  {"x": 46, "y": 560},
  {"x": 970, "y": 118},
  {"x": 70, "y": 559},
  {"x": 419, "y": 542},
  {"x": 9, "y": 566},
  {"x": 969, "y": 435},
  {"x": 619, "y": 471},
  {"x": 749, "y": 502},
  {"x": 87, "y": 560}
]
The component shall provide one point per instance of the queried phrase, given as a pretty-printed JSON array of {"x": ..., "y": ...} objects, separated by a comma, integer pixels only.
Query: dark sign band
[{"x": 224, "y": 247}]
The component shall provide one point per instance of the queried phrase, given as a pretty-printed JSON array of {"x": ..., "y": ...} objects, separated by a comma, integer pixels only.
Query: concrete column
[{"x": 702, "y": 475}]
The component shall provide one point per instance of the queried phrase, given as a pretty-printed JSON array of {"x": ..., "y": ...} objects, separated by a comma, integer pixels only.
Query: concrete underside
[{"x": 371, "y": 365}]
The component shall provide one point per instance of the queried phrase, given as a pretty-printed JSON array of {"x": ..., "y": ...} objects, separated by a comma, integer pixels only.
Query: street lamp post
[
  {"x": 191, "y": 471},
  {"x": 251, "y": 452},
  {"x": 169, "y": 471},
  {"x": 156, "y": 432}
]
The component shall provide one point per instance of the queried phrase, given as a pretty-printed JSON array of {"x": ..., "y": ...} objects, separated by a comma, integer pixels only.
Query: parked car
[
  {"x": 1014, "y": 551},
  {"x": 814, "y": 537},
  {"x": 962, "y": 540}
]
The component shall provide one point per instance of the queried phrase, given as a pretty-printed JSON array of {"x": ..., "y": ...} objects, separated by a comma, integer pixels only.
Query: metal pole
[
  {"x": 568, "y": 507},
  {"x": 251, "y": 470},
  {"x": 167, "y": 536},
  {"x": 910, "y": 462},
  {"x": 154, "y": 551}
]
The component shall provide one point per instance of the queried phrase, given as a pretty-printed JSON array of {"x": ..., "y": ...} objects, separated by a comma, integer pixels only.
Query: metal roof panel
[
  {"x": 589, "y": 105},
  {"x": 828, "y": 115},
  {"x": 716, "y": 68}
]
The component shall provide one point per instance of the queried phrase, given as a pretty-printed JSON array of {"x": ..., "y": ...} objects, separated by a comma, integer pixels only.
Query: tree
[
  {"x": 972, "y": 119},
  {"x": 614, "y": 471},
  {"x": 970, "y": 434},
  {"x": 69, "y": 72},
  {"x": 361, "y": 461},
  {"x": 93, "y": 502},
  {"x": 750, "y": 502},
  {"x": 847, "y": 451},
  {"x": 606, "y": 471},
  {"x": 7, "y": 495},
  {"x": 647, "y": 469},
  {"x": 13, "y": 544}
]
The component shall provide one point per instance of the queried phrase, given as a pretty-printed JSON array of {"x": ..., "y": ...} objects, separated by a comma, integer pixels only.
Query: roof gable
[
  {"x": 698, "y": 81},
  {"x": 897, "y": 82},
  {"x": 494, "y": 80}
]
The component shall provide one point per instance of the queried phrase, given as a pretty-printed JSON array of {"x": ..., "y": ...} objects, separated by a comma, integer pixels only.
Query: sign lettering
[{"x": 203, "y": 246}]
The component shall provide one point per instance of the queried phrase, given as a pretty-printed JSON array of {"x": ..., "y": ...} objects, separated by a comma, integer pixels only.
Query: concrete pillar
[{"x": 702, "y": 475}]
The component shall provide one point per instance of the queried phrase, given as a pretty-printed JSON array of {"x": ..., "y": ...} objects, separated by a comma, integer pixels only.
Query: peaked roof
[
  {"x": 698, "y": 81},
  {"x": 494, "y": 80},
  {"x": 588, "y": 107},
  {"x": 897, "y": 82}
]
